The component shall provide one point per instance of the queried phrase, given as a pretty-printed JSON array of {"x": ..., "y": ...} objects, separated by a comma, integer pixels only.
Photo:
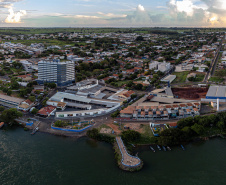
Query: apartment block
[{"x": 61, "y": 73}]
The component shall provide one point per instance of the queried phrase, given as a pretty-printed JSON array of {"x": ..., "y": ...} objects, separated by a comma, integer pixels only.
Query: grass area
[
  {"x": 181, "y": 77},
  {"x": 216, "y": 79},
  {"x": 147, "y": 136},
  {"x": 199, "y": 77},
  {"x": 103, "y": 126},
  {"x": 44, "y": 41},
  {"x": 121, "y": 83}
]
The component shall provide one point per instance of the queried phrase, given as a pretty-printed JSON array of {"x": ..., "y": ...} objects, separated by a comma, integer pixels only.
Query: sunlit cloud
[
  {"x": 15, "y": 17},
  {"x": 140, "y": 8}
]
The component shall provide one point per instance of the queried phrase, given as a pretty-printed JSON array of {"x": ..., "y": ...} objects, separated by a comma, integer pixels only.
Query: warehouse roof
[{"x": 216, "y": 91}]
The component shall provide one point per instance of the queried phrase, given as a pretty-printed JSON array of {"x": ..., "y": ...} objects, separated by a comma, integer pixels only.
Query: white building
[
  {"x": 153, "y": 65},
  {"x": 163, "y": 66},
  {"x": 61, "y": 73}
]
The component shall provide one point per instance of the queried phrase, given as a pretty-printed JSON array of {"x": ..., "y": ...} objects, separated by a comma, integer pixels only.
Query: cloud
[
  {"x": 140, "y": 8},
  {"x": 186, "y": 6},
  {"x": 15, "y": 17},
  {"x": 197, "y": 12},
  {"x": 111, "y": 15},
  {"x": 139, "y": 18}
]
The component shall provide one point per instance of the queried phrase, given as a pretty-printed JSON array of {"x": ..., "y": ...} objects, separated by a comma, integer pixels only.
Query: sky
[{"x": 112, "y": 13}]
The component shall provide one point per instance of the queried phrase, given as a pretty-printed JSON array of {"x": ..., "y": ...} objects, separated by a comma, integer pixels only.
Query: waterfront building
[
  {"x": 61, "y": 73},
  {"x": 10, "y": 102}
]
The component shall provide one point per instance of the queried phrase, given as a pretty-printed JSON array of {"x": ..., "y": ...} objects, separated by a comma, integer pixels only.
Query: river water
[{"x": 46, "y": 159}]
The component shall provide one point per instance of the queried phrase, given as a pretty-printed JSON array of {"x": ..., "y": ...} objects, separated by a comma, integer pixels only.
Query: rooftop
[{"x": 216, "y": 91}]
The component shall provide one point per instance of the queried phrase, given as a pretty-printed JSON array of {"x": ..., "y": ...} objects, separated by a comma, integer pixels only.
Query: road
[{"x": 213, "y": 64}]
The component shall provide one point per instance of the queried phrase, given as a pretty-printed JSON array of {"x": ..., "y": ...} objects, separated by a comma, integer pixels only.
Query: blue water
[{"x": 46, "y": 159}]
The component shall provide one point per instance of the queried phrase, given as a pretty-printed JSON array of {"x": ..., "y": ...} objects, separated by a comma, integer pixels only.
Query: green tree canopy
[{"x": 9, "y": 115}]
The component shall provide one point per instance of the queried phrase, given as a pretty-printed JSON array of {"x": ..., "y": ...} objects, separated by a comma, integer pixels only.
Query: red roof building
[{"x": 46, "y": 111}]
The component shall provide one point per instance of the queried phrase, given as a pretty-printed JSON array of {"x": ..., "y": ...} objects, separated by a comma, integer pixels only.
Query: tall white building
[
  {"x": 61, "y": 73},
  {"x": 160, "y": 66}
]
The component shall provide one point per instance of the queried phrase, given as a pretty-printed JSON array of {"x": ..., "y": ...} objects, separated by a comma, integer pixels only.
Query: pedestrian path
[{"x": 127, "y": 159}]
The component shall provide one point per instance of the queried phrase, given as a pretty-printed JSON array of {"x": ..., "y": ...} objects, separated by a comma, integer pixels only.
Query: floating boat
[
  {"x": 168, "y": 148},
  {"x": 164, "y": 148},
  {"x": 159, "y": 147},
  {"x": 182, "y": 147},
  {"x": 133, "y": 145},
  {"x": 2, "y": 124},
  {"x": 152, "y": 149},
  {"x": 34, "y": 131}
]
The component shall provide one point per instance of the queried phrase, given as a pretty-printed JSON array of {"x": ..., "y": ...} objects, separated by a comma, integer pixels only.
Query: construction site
[{"x": 190, "y": 93}]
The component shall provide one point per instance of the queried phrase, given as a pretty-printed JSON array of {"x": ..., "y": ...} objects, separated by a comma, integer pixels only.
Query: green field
[
  {"x": 121, "y": 83},
  {"x": 216, "y": 79},
  {"x": 181, "y": 77},
  {"x": 199, "y": 77},
  {"x": 46, "y": 42}
]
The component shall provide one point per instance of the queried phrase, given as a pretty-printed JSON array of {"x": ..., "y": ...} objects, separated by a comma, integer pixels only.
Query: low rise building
[
  {"x": 25, "y": 105},
  {"x": 47, "y": 111},
  {"x": 10, "y": 102}
]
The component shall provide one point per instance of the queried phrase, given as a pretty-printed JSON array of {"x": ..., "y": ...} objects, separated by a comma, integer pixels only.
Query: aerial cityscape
[{"x": 113, "y": 92}]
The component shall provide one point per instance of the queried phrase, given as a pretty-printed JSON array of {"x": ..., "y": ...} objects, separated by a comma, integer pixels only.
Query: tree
[
  {"x": 32, "y": 98},
  {"x": 138, "y": 87},
  {"x": 2, "y": 108},
  {"x": 131, "y": 136},
  {"x": 220, "y": 124},
  {"x": 191, "y": 79},
  {"x": 5, "y": 89},
  {"x": 172, "y": 136},
  {"x": 9, "y": 115},
  {"x": 9, "y": 92},
  {"x": 133, "y": 96},
  {"x": 139, "y": 38},
  {"x": 93, "y": 133},
  {"x": 15, "y": 85},
  {"x": 34, "y": 111},
  {"x": 199, "y": 129}
]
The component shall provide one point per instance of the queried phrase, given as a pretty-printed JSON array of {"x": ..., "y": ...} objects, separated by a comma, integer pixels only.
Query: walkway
[{"x": 127, "y": 159}]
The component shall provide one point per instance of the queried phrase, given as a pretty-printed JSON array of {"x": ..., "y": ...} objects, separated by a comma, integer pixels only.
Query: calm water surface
[{"x": 46, "y": 159}]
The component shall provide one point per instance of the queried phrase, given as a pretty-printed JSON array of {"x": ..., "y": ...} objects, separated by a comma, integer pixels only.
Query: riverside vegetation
[{"x": 188, "y": 129}]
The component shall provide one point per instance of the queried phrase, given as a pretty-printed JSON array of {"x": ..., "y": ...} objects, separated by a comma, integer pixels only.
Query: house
[
  {"x": 25, "y": 78},
  {"x": 25, "y": 105},
  {"x": 47, "y": 111}
]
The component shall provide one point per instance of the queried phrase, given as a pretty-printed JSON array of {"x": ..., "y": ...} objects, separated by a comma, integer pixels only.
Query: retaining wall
[
  {"x": 130, "y": 166},
  {"x": 70, "y": 130}
]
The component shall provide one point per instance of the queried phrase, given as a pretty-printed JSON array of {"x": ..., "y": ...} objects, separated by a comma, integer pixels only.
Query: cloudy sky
[{"x": 113, "y": 13}]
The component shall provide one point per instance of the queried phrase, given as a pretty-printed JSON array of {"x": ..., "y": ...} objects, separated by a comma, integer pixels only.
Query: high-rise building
[{"x": 61, "y": 73}]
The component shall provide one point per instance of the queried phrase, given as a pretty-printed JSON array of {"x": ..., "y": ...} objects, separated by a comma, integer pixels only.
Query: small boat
[
  {"x": 164, "y": 148},
  {"x": 34, "y": 131},
  {"x": 182, "y": 147},
  {"x": 159, "y": 147},
  {"x": 168, "y": 148},
  {"x": 2, "y": 124},
  {"x": 133, "y": 145},
  {"x": 152, "y": 149}
]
